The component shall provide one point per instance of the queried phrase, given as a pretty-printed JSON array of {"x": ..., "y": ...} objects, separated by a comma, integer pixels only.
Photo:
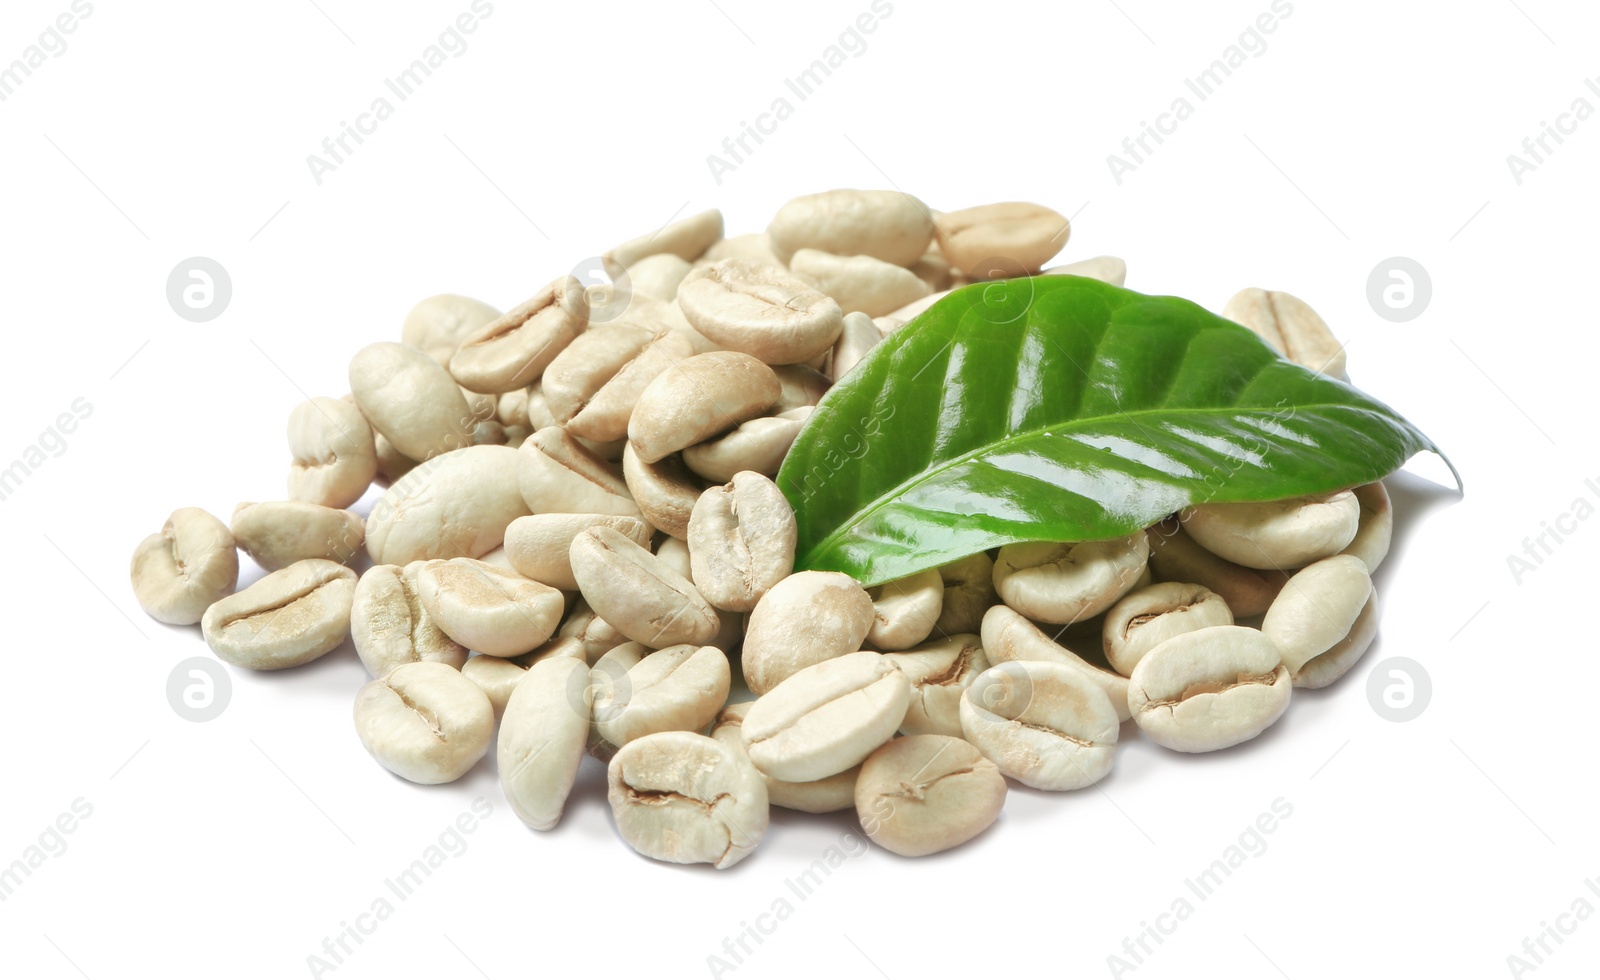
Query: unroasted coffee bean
[
  {"x": 587, "y": 364},
  {"x": 939, "y": 672},
  {"x": 741, "y": 541},
  {"x": 1209, "y": 689},
  {"x": 904, "y": 611},
  {"x": 281, "y": 532},
  {"x": 453, "y": 506},
  {"x": 288, "y": 618},
  {"x": 700, "y": 397},
  {"x": 755, "y": 248},
  {"x": 798, "y": 387},
  {"x": 410, "y": 400},
  {"x": 595, "y": 635},
  {"x": 489, "y": 609},
  {"x": 424, "y": 722},
  {"x": 542, "y": 737},
  {"x": 189, "y": 564},
  {"x": 758, "y": 445},
  {"x": 1019, "y": 237},
  {"x": 859, "y": 283},
  {"x": 1147, "y": 616},
  {"x": 763, "y": 312},
  {"x": 1333, "y": 663},
  {"x": 887, "y": 225},
  {"x": 968, "y": 594},
  {"x": 1009, "y": 636},
  {"x": 1278, "y": 534},
  {"x": 675, "y": 553},
  {"x": 1106, "y": 268},
  {"x": 804, "y": 620},
  {"x": 1068, "y": 582},
  {"x": 390, "y": 626},
  {"x": 687, "y": 238},
  {"x": 511, "y": 351},
  {"x": 539, "y": 546},
  {"x": 335, "y": 459},
  {"x": 1376, "y": 527},
  {"x": 830, "y": 794},
  {"x": 685, "y": 798},
  {"x": 496, "y": 677},
  {"x": 1290, "y": 327},
  {"x": 1176, "y": 557},
  {"x": 437, "y": 325},
  {"x": 1317, "y": 608},
  {"x": 558, "y": 475},
  {"x": 1044, "y": 724},
  {"x": 922, "y": 794},
  {"x": 678, "y": 689},
  {"x": 638, "y": 593},
  {"x": 826, "y": 718},
  {"x": 664, "y": 491}
]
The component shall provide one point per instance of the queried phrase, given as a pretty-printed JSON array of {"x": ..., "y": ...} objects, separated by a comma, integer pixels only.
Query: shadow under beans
[{"x": 1412, "y": 499}]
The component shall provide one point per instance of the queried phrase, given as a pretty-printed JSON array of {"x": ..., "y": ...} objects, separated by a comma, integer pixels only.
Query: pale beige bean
[
  {"x": 587, "y": 364},
  {"x": 542, "y": 738},
  {"x": 512, "y": 351},
  {"x": 334, "y": 458},
  {"x": 1289, "y": 326},
  {"x": 1018, "y": 236},
  {"x": 687, "y": 238},
  {"x": 904, "y": 611},
  {"x": 1332, "y": 664},
  {"x": 830, "y": 794},
  {"x": 453, "y": 506},
  {"x": 934, "y": 269},
  {"x": 799, "y": 387},
  {"x": 1175, "y": 557},
  {"x": 664, "y": 491},
  {"x": 539, "y": 546},
  {"x": 1376, "y": 526},
  {"x": 393, "y": 464},
  {"x": 805, "y": 619},
  {"x": 1279, "y": 534},
  {"x": 512, "y": 410},
  {"x": 859, "y": 283},
  {"x": 558, "y": 475},
  {"x": 561, "y": 646},
  {"x": 480, "y": 407},
  {"x": 1317, "y": 608},
  {"x": 539, "y": 415},
  {"x": 767, "y": 313},
  {"x": 922, "y": 794},
  {"x": 489, "y": 609},
  {"x": 288, "y": 618},
  {"x": 856, "y": 340},
  {"x": 939, "y": 671},
  {"x": 701, "y": 397},
  {"x": 496, "y": 677},
  {"x": 758, "y": 445},
  {"x": 1068, "y": 582},
  {"x": 178, "y": 572},
  {"x": 278, "y": 533},
  {"x": 424, "y": 722},
  {"x": 638, "y": 593},
  {"x": 754, "y": 248},
  {"x": 675, "y": 552},
  {"x": 1147, "y": 616},
  {"x": 390, "y": 626},
  {"x": 741, "y": 541},
  {"x": 1044, "y": 724},
  {"x": 594, "y": 635},
  {"x": 826, "y": 718},
  {"x": 1008, "y": 636},
  {"x": 685, "y": 798},
  {"x": 676, "y": 689},
  {"x": 437, "y": 325},
  {"x": 658, "y": 276},
  {"x": 910, "y": 311},
  {"x": 968, "y": 594},
  {"x": 1106, "y": 268},
  {"x": 1209, "y": 689},
  {"x": 887, "y": 225},
  {"x": 606, "y": 411},
  {"x": 410, "y": 400}
]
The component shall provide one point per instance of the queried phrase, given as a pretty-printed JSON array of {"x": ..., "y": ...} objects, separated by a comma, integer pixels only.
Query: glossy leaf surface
[{"x": 1066, "y": 409}]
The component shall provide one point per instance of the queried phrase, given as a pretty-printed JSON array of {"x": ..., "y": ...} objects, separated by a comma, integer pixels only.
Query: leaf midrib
[{"x": 899, "y": 490}]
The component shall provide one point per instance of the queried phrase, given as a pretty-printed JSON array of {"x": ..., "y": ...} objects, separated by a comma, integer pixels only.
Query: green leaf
[{"x": 1059, "y": 408}]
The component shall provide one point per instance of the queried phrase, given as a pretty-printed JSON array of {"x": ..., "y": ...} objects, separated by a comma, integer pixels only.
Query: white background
[{"x": 1365, "y": 130}]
